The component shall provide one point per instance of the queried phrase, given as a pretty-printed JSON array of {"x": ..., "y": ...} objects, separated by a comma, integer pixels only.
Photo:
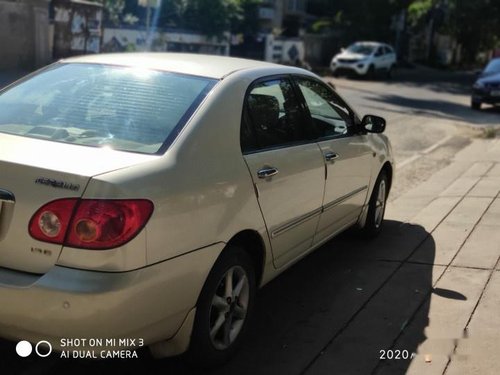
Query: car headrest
[{"x": 264, "y": 110}]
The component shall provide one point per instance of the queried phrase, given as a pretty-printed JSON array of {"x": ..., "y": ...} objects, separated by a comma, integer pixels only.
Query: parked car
[
  {"x": 364, "y": 59},
  {"x": 148, "y": 196},
  {"x": 486, "y": 89}
]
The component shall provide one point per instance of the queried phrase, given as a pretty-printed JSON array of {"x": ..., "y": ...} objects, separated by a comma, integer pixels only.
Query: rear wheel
[
  {"x": 390, "y": 72},
  {"x": 223, "y": 310},
  {"x": 376, "y": 206},
  {"x": 371, "y": 72}
]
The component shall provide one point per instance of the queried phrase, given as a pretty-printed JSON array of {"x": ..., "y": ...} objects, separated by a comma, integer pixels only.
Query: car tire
[
  {"x": 370, "y": 74},
  {"x": 376, "y": 207},
  {"x": 222, "y": 314},
  {"x": 390, "y": 72},
  {"x": 475, "y": 105}
]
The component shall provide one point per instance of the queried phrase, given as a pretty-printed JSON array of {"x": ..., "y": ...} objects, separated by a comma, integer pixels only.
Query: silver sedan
[{"x": 146, "y": 197}]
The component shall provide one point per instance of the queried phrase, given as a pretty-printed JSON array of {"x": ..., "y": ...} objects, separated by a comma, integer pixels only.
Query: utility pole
[{"x": 148, "y": 4}]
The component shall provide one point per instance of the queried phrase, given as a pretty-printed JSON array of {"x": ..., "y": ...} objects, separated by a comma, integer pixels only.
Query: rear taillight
[
  {"x": 51, "y": 221},
  {"x": 90, "y": 223}
]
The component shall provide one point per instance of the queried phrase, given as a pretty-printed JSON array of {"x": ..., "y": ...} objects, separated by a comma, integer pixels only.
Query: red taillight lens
[
  {"x": 103, "y": 224},
  {"x": 51, "y": 221},
  {"x": 91, "y": 223}
]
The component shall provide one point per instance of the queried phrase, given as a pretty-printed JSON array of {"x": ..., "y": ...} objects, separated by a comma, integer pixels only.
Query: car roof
[
  {"x": 368, "y": 42},
  {"x": 194, "y": 64},
  {"x": 372, "y": 43}
]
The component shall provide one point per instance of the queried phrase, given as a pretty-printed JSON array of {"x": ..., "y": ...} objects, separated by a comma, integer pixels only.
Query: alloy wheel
[
  {"x": 380, "y": 204},
  {"x": 228, "y": 309}
]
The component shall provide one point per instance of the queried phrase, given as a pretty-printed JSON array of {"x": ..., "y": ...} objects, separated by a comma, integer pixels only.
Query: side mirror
[{"x": 373, "y": 124}]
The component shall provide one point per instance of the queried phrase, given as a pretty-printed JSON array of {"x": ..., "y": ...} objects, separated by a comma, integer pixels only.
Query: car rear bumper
[{"x": 149, "y": 304}]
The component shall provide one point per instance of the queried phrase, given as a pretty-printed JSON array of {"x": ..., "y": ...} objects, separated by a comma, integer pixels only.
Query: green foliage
[
  {"x": 418, "y": 9},
  {"x": 246, "y": 19},
  {"x": 475, "y": 24},
  {"x": 359, "y": 19},
  {"x": 321, "y": 25},
  {"x": 114, "y": 10},
  {"x": 217, "y": 16},
  {"x": 211, "y": 17}
]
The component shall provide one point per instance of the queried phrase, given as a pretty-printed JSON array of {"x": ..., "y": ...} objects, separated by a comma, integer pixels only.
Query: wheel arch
[
  {"x": 388, "y": 169},
  {"x": 251, "y": 241}
]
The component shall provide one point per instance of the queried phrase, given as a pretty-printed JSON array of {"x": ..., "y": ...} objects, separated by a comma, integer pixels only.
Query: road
[
  {"x": 428, "y": 114},
  {"x": 351, "y": 302}
]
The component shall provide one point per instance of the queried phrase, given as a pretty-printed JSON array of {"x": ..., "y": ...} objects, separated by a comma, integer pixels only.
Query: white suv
[{"x": 365, "y": 59}]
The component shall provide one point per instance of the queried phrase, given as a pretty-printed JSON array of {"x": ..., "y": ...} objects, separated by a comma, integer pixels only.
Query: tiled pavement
[{"x": 460, "y": 208}]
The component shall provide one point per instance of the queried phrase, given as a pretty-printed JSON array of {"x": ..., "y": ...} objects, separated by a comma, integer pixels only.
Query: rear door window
[{"x": 272, "y": 117}]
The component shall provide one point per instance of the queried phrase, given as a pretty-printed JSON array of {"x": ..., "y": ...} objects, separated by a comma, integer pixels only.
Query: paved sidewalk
[{"x": 460, "y": 209}]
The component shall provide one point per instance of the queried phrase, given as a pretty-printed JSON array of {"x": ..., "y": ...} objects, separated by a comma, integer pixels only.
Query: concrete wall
[
  {"x": 321, "y": 48},
  {"x": 284, "y": 50},
  {"x": 24, "y": 40},
  {"x": 77, "y": 28}
]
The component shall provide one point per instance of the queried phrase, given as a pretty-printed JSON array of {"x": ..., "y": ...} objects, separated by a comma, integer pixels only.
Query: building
[
  {"x": 24, "y": 34},
  {"x": 77, "y": 26},
  {"x": 286, "y": 17}
]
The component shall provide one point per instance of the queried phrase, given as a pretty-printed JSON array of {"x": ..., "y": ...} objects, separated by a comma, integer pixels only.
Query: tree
[
  {"x": 359, "y": 19},
  {"x": 246, "y": 19},
  {"x": 475, "y": 24},
  {"x": 212, "y": 17}
]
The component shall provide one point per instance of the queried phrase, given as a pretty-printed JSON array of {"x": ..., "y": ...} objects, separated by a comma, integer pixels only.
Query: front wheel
[
  {"x": 224, "y": 308},
  {"x": 376, "y": 206},
  {"x": 370, "y": 74},
  {"x": 390, "y": 72}
]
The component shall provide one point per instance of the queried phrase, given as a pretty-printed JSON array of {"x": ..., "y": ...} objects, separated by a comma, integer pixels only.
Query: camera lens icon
[
  {"x": 24, "y": 348},
  {"x": 42, "y": 348}
]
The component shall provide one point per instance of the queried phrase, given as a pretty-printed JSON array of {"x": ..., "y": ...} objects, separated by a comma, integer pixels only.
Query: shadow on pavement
[
  {"x": 332, "y": 313},
  {"x": 459, "y": 83},
  {"x": 436, "y": 80},
  {"x": 444, "y": 109}
]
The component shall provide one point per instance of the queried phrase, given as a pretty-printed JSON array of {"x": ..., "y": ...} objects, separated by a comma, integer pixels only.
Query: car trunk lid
[{"x": 34, "y": 172}]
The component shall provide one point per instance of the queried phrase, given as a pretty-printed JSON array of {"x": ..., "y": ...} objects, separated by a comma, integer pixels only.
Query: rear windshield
[{"x": 126, "y": 109}]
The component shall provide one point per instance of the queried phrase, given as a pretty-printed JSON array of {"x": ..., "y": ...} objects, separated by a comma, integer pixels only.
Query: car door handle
[
  {"x": 267, "y": 172},
  {"x": 329, "y": 156}
]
